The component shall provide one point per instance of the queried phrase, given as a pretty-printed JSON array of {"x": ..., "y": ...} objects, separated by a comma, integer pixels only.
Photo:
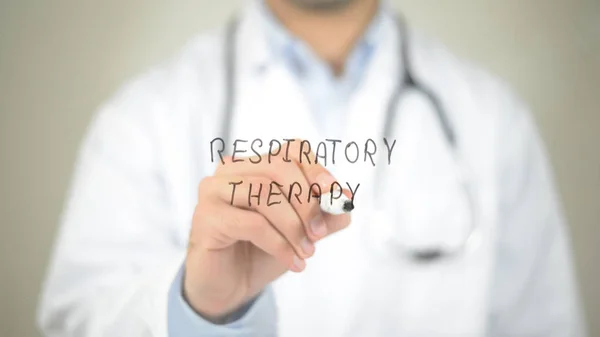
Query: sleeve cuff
[{"x": 182, "y": 321}]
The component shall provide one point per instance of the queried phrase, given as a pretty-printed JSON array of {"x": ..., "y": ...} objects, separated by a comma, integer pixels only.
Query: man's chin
[{"x": 321, "y": 5}]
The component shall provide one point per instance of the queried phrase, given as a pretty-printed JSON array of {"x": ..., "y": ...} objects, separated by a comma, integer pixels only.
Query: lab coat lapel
[
  {"x": 272, "y": 108},
  {"x": 269, "y": 104}
]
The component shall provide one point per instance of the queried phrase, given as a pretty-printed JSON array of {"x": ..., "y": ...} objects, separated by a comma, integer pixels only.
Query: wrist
[
  {"x": 257, "y": 319},
  {"x": 211, "y": 310},
  {"x": 212, "y": 304},
  {"x": 219, "y": 313}
]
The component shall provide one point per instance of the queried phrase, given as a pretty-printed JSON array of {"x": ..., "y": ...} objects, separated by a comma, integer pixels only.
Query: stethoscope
[{"x": 416, "y": 254}]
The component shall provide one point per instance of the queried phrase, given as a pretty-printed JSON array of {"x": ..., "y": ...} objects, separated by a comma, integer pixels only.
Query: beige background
[{"x": 60, "y": 59}]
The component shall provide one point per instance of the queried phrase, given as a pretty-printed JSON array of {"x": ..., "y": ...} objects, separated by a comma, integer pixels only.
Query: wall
[{"x": 60, "y": 59}]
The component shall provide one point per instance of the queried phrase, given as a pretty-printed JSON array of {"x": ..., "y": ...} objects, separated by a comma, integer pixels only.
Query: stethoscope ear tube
[
  {"x": 408, "y": 81},
  {"x": 229, "y": 93}
]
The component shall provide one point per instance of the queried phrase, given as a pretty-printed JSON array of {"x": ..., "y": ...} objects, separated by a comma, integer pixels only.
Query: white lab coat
[{"x": 124, "y": 231}]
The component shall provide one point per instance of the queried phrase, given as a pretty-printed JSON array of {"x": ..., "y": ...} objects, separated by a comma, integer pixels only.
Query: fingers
[
  {"x": 245, "y": 225},
  {"x": 320, "y": 223},
  {"x": 335, "y": 223},
  {"x": 292, "y": 182},
  {"x": 295, "y": 163},
  {"x": 314, "y": 172},
  {"x": 265, "y": 197}
]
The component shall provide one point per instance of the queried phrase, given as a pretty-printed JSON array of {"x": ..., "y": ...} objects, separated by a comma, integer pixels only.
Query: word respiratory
[
  {"x": 325, "y": 152},
  {"x": 333, "y": 201}
]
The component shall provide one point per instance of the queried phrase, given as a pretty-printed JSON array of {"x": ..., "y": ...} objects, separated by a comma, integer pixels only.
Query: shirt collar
[{"x": 281, "y": 43}]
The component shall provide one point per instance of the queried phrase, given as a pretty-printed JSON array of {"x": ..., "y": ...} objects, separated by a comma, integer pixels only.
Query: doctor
[{"x": 461, "y": 234}]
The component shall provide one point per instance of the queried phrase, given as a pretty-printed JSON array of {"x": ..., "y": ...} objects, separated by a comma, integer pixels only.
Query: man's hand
[{"x": 235, "y": 250}]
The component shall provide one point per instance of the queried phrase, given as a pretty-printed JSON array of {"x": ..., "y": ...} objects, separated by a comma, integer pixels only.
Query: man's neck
[{"x": 330, "y": 34}]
